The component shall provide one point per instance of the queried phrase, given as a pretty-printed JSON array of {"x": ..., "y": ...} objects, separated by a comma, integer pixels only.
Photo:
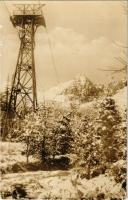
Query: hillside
[
  {"x": 96, "y": 120},
  {"x": 121, "y": 98}
]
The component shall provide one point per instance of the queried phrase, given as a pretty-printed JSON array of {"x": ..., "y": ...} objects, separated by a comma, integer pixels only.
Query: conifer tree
[{"x": 109, "y": 122}]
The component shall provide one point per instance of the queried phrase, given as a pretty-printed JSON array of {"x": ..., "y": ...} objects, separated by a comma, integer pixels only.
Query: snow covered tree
[
  {"x": 109, "y": 119},
  {"x": 64, "y": 136},
  {"x": 87, "y": 146}
]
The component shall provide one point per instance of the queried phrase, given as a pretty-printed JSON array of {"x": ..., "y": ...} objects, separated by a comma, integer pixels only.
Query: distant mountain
[
  {"x": 57, "y": 93},
  {"x": 80, "y": 89},
  {"x": 84, "y": 92}
]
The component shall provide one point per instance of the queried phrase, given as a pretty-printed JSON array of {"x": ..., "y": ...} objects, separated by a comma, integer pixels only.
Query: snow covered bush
[
  {"x": 100, "y": 188},
  {"x": 64, "y": 136},
  {"x": 100, "y": 137},
  {"x": 118, "y": 170},
  {"x": 46, "y": 133}
]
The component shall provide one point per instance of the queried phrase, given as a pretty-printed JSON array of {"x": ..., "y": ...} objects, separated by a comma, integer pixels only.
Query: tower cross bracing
[{"x": 26, "y": 18}]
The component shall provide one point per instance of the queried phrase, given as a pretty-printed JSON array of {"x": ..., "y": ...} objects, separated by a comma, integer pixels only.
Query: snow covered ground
[
  {"x": 54, "y": 184},
  {"x": 11, "y": 156},
  {"x": 121, "y": 98},
  {"x": 61, "y": 184}
]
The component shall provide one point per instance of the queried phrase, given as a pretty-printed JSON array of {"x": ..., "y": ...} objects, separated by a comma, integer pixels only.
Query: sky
[{"x": 84, "y": 36}]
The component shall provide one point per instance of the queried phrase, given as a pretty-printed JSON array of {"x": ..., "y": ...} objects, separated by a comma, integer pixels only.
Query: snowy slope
[
  {"x": 61, "y": 185},
  {"x": 121, "y": 98},
  {"x": 55, "y": 93}
]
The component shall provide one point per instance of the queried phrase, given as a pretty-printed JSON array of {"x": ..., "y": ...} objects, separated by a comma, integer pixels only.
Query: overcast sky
[{"x": 83, "y": 35}]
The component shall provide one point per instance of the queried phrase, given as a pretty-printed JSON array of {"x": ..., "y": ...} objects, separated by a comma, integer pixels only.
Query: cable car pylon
[{"x": 26, "y": 18}]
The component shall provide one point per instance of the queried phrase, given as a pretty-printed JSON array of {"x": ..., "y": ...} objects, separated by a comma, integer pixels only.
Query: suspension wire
[
  {"x": 52, "y": 56},
  {"x": 54, "y": 65},
  {"x": 38, "y": 86},
  {"x": 51, "y": 49}
]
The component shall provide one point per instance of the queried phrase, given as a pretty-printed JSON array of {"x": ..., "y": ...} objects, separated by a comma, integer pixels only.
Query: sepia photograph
[{"x": 63, "y": 99}]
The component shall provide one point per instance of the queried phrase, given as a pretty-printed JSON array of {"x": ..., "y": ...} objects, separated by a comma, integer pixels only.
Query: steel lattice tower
[{"x": 26, "y": 18}]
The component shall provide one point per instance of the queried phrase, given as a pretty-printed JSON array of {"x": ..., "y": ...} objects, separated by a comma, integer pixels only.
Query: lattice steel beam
[{"x": 26, "y": 19}]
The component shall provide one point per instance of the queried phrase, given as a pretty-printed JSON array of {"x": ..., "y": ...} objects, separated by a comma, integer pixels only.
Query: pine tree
[
  {"x": 87, "y": 146},
  {"x": 109, "y": 122}
]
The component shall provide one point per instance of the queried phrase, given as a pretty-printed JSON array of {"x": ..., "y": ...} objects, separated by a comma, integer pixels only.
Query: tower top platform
[{"x": 27, "y": 12}]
